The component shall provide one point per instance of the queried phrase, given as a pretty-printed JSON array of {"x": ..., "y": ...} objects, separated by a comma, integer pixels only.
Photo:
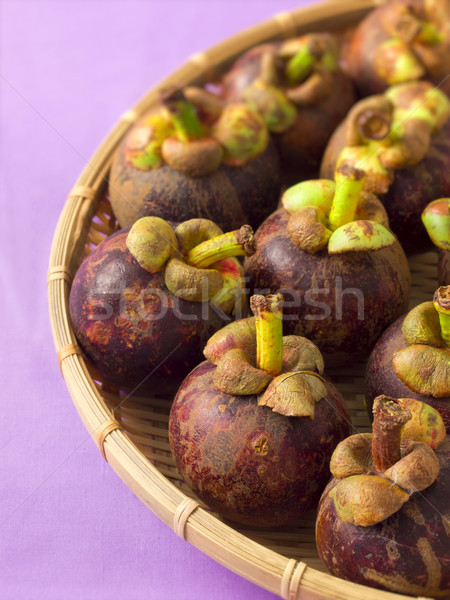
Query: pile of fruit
[{"x": 326, "y": 160}]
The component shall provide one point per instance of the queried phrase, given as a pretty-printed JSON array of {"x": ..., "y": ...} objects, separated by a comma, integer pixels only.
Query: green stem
[
  {"x": 235, "y": 243},
  {"x": 349, "y": 185},
  {"x": 269, "y": 332},
  {"x": 441, "y": 303},
  {"x": 184, "y": 117},
  {"x": 300, "y": 65}
]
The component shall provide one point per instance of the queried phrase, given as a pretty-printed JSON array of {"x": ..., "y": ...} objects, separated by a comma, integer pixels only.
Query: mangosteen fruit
[
  {"x": 299, "y": 89},
  {"x": 402, "y": 140},
  {"x": 383, "y": 520},
  {"x": 402, "y": 41},
  {"x": 436, "y": 218},
  {"x": 253, "y": 428},
  {"x": 145, "y": 301},
  {"x": 193, "y": 156},
  {"x": 344, "y": 280},
  {"x": 412, "y": 357}
]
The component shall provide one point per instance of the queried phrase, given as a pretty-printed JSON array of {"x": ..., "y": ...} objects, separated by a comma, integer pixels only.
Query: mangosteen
[
  {"x": 252, "y": 429},
  {"x": 344, "y": 280},
  {"x": 300, "y": 91},
  {"x": 402, "y": 41},
  {"x": 436, "y": 218},
  {"x": 145, "y": 301},
  {"x": 193, "y": 156},
  {"x": 412, "y": 357},
  {"x": 402, "y": 140},
  {"x": 383, "y": 520}
]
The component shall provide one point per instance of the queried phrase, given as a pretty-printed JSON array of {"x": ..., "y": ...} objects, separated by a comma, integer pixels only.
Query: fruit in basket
[
  {"x": 193, "y": 156},
  {"x": 253, "y": 428},
  {"x": 404, "y": 40},
  {"x": 383, "y": 519},
  {"x": 436, "y": 218},
  {"x": 344, "y": 280},
  {"x": 300, "y": 91},
  {"x": 412, "y": 357},
  {"x": 145, "y": 301},
  {"x": 402, "y": 140}
]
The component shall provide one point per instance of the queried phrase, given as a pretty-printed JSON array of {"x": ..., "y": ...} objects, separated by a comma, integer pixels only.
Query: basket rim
[{"x": 266, "y": 568}]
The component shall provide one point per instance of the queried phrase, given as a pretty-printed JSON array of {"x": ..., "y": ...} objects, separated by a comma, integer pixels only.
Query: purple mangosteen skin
[
  {"x": 230, "y": 196},
  {"x": 301, "y": 146},
  {"x": 246, "y": 462},
  {"x": 128, "y": 324},
  {"x": 412, "y": 190},
  {"x": 361, "y": 52},
  {"x": 380, "y": 377},
  {"x": 444, "y": 267},
  {"x": 381, "y": 280},
  {"x": 399, "y": 553}
]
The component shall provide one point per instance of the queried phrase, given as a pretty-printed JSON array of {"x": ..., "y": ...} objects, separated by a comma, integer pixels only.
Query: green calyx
[
  {"x": 436, "y": 218},
  {"x": 360, "y": 236},
  {"x": 396, "y": 63},
  {"x": 296, "y": 74},
  {"x": 253, "y": 358},
  {"x": 242, "y": 134},
  {"x": 152, "y": 242},
  {"x": 143, "y": 148},
  {"x": 323, "y": 213},
  {"x": 270, "y": 102},
  {"x": 424, "y": 369},
  {"x": 194, "y": 133},
  {"x": 393, "y": 131},
  {"x": 424, "y": 366},
  {"x": 157, "y": 247}
]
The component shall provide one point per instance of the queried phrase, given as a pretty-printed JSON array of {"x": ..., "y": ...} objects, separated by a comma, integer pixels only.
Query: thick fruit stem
[
  {"x": 389, "y": 417},
  {"x": 235, "y": 243},
  {"x": 441, "y": 303},
  {"x": 300, "y": 65},
  {"x": 269, "y": 332},
  {"x": 349, "y": 184},
  {"x": 184, "y": 116}
]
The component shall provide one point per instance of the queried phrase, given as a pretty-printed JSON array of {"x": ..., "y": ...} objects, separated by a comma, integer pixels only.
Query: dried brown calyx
[
  {"x": 392, "y": 131},
  {"x": 197, "y": 258},
  {"x": 337, "y": 215},
  {"x": 378, "y": 472},
  {"x": 253, "y": 358},
  {"x": 298, "y": 73},
  {"x": 424, "y": 365},
  {"x": 194, "y": 132}
]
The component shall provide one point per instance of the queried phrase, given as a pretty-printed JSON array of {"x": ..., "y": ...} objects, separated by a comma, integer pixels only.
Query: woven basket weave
[{"x": 131, "y": 432}]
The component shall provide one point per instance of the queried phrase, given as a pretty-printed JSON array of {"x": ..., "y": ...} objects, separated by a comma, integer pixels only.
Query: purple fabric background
[{"x": 69, "y": 527}]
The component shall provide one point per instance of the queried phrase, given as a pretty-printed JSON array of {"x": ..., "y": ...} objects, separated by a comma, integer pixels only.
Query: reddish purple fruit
[
  {"x": 340, "y": 294},
  {"x": 191, "y": 157},
  {"x": 301, "y": 92},
  {"x": 404, "y": 40},
  {"x": 241, "y": 452},
  {"x": 387, "y": 526},
  {"x": 411, "y": 360},
  {"x": 142, "y": 313},
  {"x": 402, "y": 141}
]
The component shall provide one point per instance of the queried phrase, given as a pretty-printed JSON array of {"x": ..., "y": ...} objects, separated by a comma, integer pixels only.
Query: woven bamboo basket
[{"x": 130, "y": 431}]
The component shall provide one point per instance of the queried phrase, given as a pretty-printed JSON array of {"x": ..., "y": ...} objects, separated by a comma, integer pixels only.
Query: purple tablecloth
[{"x": 70, "y": 528}]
